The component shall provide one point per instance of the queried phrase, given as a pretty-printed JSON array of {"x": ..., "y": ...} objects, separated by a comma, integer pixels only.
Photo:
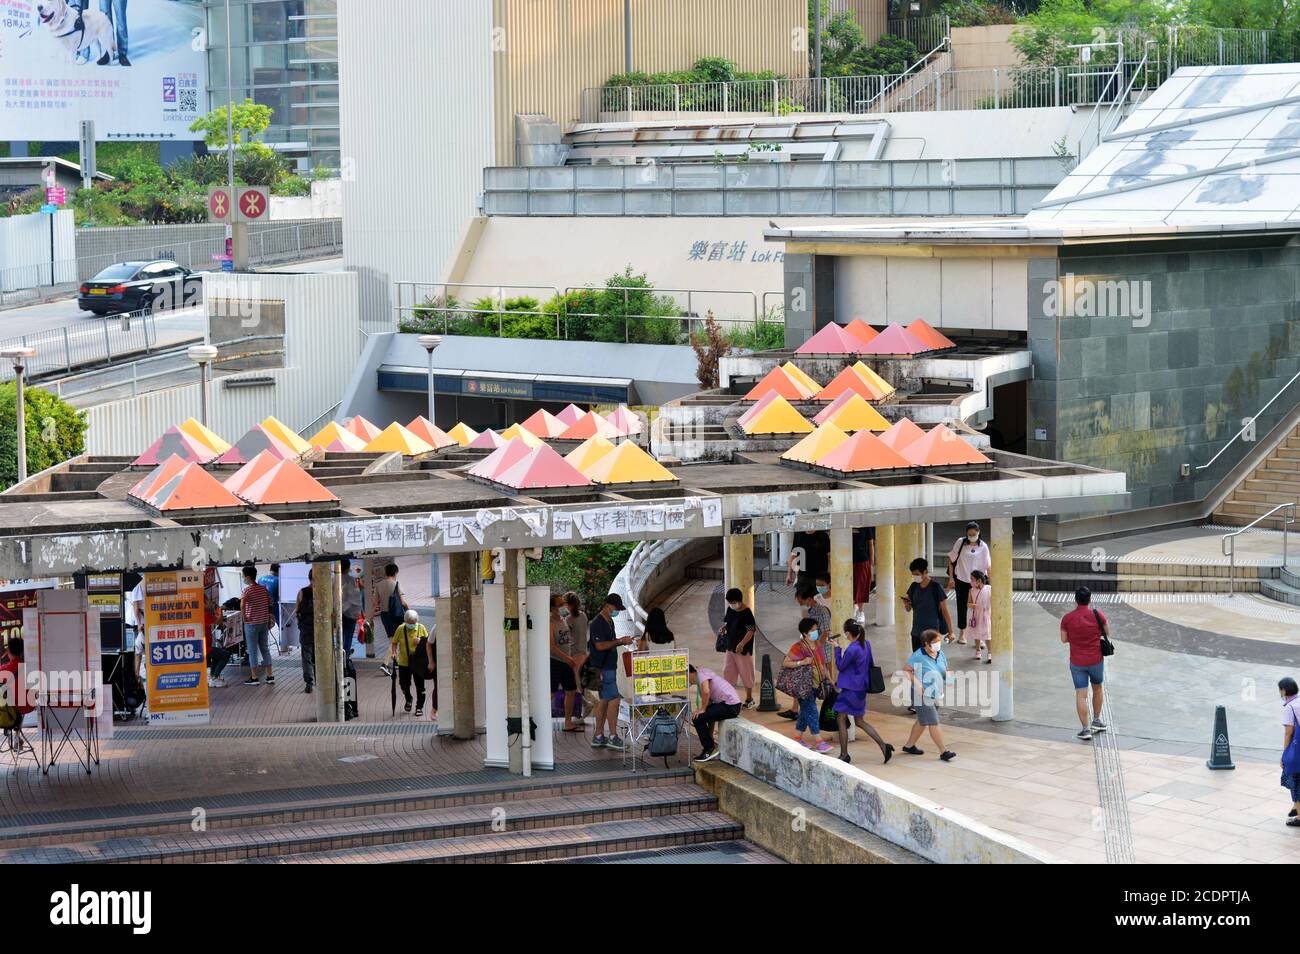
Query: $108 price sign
[{"x": 169, "y": 653}]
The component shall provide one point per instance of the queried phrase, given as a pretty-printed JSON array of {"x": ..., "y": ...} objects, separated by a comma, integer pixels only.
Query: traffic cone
[
  {"x": 1220, "y": 749},
  {"x": 767, "y": 688}
]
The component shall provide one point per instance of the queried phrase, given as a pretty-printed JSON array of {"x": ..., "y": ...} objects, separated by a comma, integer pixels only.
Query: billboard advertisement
[
  {"x": 136, "y": 67},
  {"x": 176, "y": 652}
]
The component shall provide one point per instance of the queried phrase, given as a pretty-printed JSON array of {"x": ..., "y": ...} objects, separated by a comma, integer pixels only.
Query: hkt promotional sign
[
  {"x": 136, "y": 68},
  {"x": 175, "y": 648}
]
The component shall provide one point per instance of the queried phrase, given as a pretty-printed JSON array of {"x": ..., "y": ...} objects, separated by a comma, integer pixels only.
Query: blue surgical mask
[
  {"x": 613, "y": 614},
  {"x": 823, "y": 590},
  {"x": 814, "y": 634}
]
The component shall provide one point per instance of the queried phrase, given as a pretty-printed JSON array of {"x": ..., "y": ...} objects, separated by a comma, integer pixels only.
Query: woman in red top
[{"x": 13, "y": 665}]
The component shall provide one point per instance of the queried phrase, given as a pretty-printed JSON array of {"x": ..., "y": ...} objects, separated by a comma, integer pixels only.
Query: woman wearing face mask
[
  {"x": 967, "y": 554},
  {"x": 853, "y": 668},
  {"x": 808, "y": 653},
  {"x": 738, "y": 628},
  {"x": 981, "y": 608},
  {"x": 927, "y": 668},
  {"x": 1291, "y": 745},
  {"x": 563, "y": 661}
]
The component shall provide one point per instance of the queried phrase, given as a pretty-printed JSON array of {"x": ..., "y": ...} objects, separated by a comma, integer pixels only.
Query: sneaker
[
  {"x": 947, "y": 756},
  {"x": 615, "y": 743},
  {"x": 270, "y": 680},
  {"x": 218, "y": 683},
  {"x": 748, "y": 704},
  {"x": 822, "y": 747},
  {"x": 913, "y": 750},
  {"x": 1085, "y": 735},
  {"x": 788, "y": 714},
  {"x": 252, "y": 681},
  {"x": 706, "y": 756},
  {"x": 1099, "y": 726},
  {"x": 307, "y": 688},
  {"x": 597, "y": 741},
  {"x": 1293, "y": 823},
  {"x": 406, "y": 708},
  {"x": 419, "y": 711}
]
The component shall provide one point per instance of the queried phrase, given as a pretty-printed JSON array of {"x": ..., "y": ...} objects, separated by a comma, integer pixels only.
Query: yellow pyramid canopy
[
  {"x": 523, "y": 434},
  {"x": 588, "y": 452},
  {"x": 779, "y": 417},
  {"x": 396, "y": 439},
  {"x": 873, "y": 379},
  {"x": 794, "y": 371},
  {"x": 204, "y": 436},
  {"x": 858, "y": 415},
  {"x": 462, "y": 433},
  {"x": 334, "y": 431},
  {"x": 627, "y": 464},
  {"x": 290, "y": 437},
  {"x": 821, "y": 441}
]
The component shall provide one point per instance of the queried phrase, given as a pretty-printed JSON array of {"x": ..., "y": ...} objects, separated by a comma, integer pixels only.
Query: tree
[
  {"x": 710, "y": 347},
  {"x": 55, "y": 431},
  {"x": 249, "y": 121}
]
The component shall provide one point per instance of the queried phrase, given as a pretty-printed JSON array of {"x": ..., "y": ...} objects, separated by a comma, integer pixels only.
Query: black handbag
[
  {"x": 417, "y": 659},
  {"x": 828, "y": 717},
  {"x": 1107, "y": 647},
  {"x": 875, "y": 681},
  {"x": 721, "y": 645}
]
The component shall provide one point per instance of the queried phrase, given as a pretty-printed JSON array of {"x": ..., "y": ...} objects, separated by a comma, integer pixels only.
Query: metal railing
[
  {"x": 1105, "y": 118},
  {"x": 320, "y": 420},
  {"x": 1248, "y": 426},
  {"x": 92, "y": 342},
  {"x": 926, "y": 33},
  {"x": 1229, "y": 543}
]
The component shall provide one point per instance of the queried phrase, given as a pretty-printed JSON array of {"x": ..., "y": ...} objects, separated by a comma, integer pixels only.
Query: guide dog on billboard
[{"x": 81, "y": 31}]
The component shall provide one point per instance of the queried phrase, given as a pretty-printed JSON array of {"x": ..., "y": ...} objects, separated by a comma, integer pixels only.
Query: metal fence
[
  {"x": 92, "y": 342},
  {"x": 926, "y": 33}
]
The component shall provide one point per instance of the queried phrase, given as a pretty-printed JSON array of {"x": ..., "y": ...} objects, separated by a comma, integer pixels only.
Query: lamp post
[
  {"x": 202, "y": 355},
  {"x": 430, "y": 343},
  {"x": 18, "y": 356}
]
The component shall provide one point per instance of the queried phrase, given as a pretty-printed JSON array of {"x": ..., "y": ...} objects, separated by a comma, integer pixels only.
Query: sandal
[
  {"x": 576, "y": 728},
  {"x": 845, "y": 757}
]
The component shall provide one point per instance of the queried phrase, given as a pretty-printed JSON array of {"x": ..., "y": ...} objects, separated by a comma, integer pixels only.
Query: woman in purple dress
[{"x": 853, "y": 663}]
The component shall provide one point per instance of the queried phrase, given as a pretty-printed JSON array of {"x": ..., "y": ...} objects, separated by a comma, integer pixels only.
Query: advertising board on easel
[
  {"x": 175, "y": 650},
  {"x": 659, "y": 683}
]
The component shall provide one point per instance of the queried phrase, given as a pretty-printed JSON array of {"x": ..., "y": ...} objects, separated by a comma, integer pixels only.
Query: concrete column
[
  {"x": 841, "y": 577},
  {"x": 886, "y": 596},
  {"x": 905, "y": 540},
  {"x": 785, "y": 543},
  {"x": 508, "y": 574},
  {"x": 460, "y": 629},
  {"x": 740, "y": 565},
  {"x": 329, "y": 694},
  {"x": 1003, "y": 643}
]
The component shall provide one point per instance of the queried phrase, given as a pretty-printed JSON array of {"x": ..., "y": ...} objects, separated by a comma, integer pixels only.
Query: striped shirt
[{"x": 256, "y": 604}]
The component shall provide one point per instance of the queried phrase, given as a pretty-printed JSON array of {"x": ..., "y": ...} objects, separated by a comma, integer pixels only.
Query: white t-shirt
[
  {"x": 966, "y": 556},
  {"x": 136, "y": 596}
]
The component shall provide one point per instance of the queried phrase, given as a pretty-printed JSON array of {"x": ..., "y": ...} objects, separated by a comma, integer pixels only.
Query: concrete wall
[
  {"x": 324, "y": 202},
  {"x": 982, "y": 47},
  {"x": 29, "y": 243}
]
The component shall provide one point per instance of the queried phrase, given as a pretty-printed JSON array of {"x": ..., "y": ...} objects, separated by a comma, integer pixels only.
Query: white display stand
[
  {"x": 537, "y": 603},
  {"x": 496, "y": 750},
  {"x": 66, "y": 658}
]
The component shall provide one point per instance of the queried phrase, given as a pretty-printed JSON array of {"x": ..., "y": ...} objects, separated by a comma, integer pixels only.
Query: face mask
[
  {"x": 734, "y": 606},
  {"x": 972, "y": 537},
  {"x": 823, "y": 590},
  {"x": 613, "y": 614},
  {"x": 916, "y": 578},
  {"x": 934, "y": 647},
  {"x": 814, "y": 634},
  {"x": 563, "y": 613}
]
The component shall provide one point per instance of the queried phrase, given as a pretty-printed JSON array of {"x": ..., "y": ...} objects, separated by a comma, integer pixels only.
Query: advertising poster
[
  {"x": 136, "y": 67},
  {"x": 16, "y": 596},
  {"x": 175, "y": 649}
]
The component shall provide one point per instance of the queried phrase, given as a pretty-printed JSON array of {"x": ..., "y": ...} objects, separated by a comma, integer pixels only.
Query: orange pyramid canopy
[
  {"x": 832, "y": 339},
  {"x": 362, "y": 428},
  {"x": 250, "y": 472},
  {"x": 286, "y": 483},
  {"x": 861, "y": 330},
  {"x": 863, "y": 451},
  {"x": 286, "y": 434},
  {"x": 334, "y": 436},
  {"x": 178, "y": 442},
  {"x": 779, "y": 417},
  {"x": 941, "y": 447},
  {"x": 849, "y": 381},
  {"x": 798, "y": 375},
  {"x": 257, "y": 439},
  {"x": 164, "y": 472},
  {"x": 395, "y": 439},
  {"x": 927, "y": 335},
  {"x": 544, "y": 424},
  {"x": 501, "y": 458},
  {"x": 826, "y": 413},
  {"x": 589, "y": 425},
  {"x": 901, "y": 434},
  {"x": 762, "y": 402},
  {"x": 779, "y": 380},
  {"x": 519, "y": 432},
  {"x": 627, "y": 464},
  {"x": 541, "y": 467},
  {"x": 817, "y": 444},
  {"x": 588, "y": 452},
  {"x": 878, "y": 384},
  {"x": 430, "y": 433},
  {"x": 626, "y": 421},
  {"x": 204, "y": 436},
  {"x": 571, "y": 414},
  {"x": 897, "y": 340},
  {"x": 486, "y": 440},
  {"x": 462, "y": 434},
  {"x": 191, "y": 488},
  {"x": 855, "y": 414}
]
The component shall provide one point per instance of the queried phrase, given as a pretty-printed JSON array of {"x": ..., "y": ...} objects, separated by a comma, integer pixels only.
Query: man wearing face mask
[
  {"x": 352, "y": 603},
  {"x": 603, "y": 645},
  {"x": 968, "y": 553},
  {"x": 927, "y": 602}
]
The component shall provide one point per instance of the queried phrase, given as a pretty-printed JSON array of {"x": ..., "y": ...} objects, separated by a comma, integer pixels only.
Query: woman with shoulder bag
[
  {"x": 413, "y": 653},
  {"x": 803, "y": 675},
  {"x": 853, "y": 665}
]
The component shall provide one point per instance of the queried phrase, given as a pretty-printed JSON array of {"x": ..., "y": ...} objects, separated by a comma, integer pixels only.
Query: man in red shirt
[
  {"x": 1082, "y": 629},
  {"x": 255, "y": 605}
]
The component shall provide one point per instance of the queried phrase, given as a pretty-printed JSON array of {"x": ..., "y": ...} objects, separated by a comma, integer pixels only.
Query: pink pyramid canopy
[
  {"x": 363, "y": 428},
  {"x": 250, "y": 472},
  {"x": 286, "y": 483},
  {"x": 589, "y": 425},
  {"x": 571, "y": 414},
  {"x": 164, "y": 472},
  {"x": 257, "y": 439},
  {"x": 499, "y": 459},
  {"x": 487, "y": 440},
  {"x": 178, "y": 442},
  {"x": 757, "y": 409},
  {"x": 830, "y": 410},
  {"x": 430, "y": 433},
  {"x": 902, "y": 433},
  {"x": 897, "y": 340},
  {"x": 625, "y": 420},
  {"x": 544, "y": 424},
  {"x": 541, "y": 467},
  {"x": 833, "y": 339}
]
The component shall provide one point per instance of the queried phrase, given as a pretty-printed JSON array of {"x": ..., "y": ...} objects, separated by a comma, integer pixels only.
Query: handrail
[
  {"x": 1230, "y": 548},
  {"x": 1249, "y": 425}
]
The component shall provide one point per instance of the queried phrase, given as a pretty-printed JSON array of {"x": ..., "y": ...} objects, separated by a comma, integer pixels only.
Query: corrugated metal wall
[
  {"x": 322, "y": 341},
  {"x": 415, "y": 97},
  {"x": 550, "y": 50},
  {"x": 872, "y": 15}
]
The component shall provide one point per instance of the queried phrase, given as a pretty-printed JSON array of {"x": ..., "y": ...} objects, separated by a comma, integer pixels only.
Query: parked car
[{"x": 140, "y": 286}]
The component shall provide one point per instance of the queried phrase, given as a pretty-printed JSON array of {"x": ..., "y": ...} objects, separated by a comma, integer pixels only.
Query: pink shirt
[{"x": 719, "y": 689}]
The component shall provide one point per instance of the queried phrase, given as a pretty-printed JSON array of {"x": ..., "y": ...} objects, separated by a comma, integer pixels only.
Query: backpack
[
  {"x": 417, "y": 658},
  {"x": 395, "y": 608},
  {"x": 662, "y": 735}
]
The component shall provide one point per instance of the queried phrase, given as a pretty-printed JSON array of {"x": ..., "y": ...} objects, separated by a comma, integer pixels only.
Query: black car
[{"x": 140, "y": 286}]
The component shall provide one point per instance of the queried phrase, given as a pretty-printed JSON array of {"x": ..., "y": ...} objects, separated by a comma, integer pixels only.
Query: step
[
  {"x": 1123, "y": 568},
  {"x": 1257, "y": 495},
  {"x": 1283, "y": 590},
  {"x": 571, "y": 841},
  {"x": 1291, "y": 487},
  {"x": 143, "y": 824},
  {"x": 373, "y": 831},
  {"x": 1103, "y": 583}
]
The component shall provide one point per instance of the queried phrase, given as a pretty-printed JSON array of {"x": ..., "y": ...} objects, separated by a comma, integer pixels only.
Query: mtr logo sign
[{"x": 251, "y": 204}]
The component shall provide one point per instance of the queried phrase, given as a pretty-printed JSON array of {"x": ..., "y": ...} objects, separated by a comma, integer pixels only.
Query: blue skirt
[
  {"x": 851, "y": 702},
  {"x": 1291, "y": 782}
]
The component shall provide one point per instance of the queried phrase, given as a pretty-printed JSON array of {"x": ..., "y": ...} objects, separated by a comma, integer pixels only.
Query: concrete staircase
[
  {"x": 1276, "y": 480},
  {"x": 597, "y": 816}
]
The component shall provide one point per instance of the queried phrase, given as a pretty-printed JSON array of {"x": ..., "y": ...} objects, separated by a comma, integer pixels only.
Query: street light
[
  {"x": 202, "y": 355},
  {"x": 18, "y": 356},
  {"x": 429, "y": 343}
]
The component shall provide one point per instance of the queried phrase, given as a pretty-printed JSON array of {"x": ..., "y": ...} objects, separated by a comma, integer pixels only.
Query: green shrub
[
  {"x": 587, "y": 570},
  {"x": 55, "y": 431}
]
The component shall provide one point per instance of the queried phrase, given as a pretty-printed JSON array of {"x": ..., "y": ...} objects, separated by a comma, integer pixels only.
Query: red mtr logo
[
  {"x": 219, "y": 204},
  {"x": 252, "y": 204}
]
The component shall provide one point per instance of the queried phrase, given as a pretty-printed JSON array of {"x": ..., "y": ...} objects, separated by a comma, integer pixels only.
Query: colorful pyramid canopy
[
  {"x": 190, "y": 488},
  {"x": 501, "y": 458},
  {"x": 901, "y": 434},
  {"x": 519, "y": 432},
  {"x": 849, "y": 381},
  {"x": 896, "y": 340},
  {"x": 626, "y": 421},
  {"x": 362, "y": 428},
  {"x": 157, "y": 477},
  {"x": 857, "y": 415},
  {"x": 882, "y": 387},
  {"x": 862, "y": 451},
  {"x": 462, "y": 434},
  {"x": 286, "y": 434},
  {"x": 571, "y": 414},
  {"x": 250, "y": 472},
  {"x": 861, "y": 330},
  {"x": 779, "y": 417},
  {"x": 589, "y": 425},
  {"x": 286, "y": 483},
  {"x": 779, "y": 380},
  {"x": 588, "y": 452},
  {"x": 430, "y": 433},
  {"x": 541, "y": 467},
  {"x": 544, "y": 424},
  {"x": 204, "y": 436},
  {"x": 334, "y": 436},
  {"x": 797, "y": 374},
  {"x": 178, "y": 442},
  {"x": 257, "y": 439},
  {"x": 941, "y": 447},
  {"x": 488, "y": 439},
  {"x": 832, "y": 339},
  {"x": 628, "y": 464},
  {"x": 826, "y": 413},
  {"x": 395, "y": 439},
  {"x": 926, "y": 334},
  {"x": 817, "y": 444},
  {"x": 762, "y": 402}
]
